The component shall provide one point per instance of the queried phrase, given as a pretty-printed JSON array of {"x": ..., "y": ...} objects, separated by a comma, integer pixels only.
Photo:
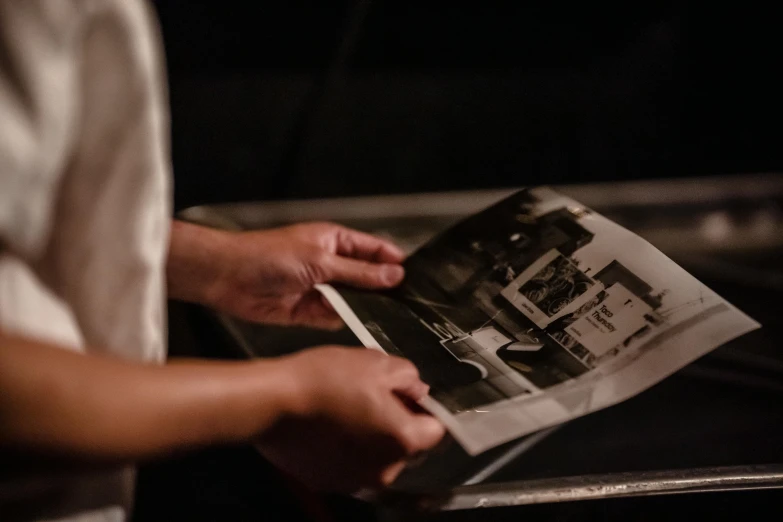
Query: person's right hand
[{"x": 349, "y": 426}]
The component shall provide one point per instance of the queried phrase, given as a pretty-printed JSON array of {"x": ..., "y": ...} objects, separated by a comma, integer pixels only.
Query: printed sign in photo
[
  {"x": 617, "y": 317},
  {"x": 550, "y": 288}
]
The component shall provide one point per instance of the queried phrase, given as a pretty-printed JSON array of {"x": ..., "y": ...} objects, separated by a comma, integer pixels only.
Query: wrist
[
  {"x": 198, "y": 262},
  {"x": 296, "y": 397},
  {"x": 254, "y": 396}
]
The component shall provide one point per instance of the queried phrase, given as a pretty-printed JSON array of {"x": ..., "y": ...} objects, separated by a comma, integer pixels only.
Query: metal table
[{"x": 717, "y": 425}]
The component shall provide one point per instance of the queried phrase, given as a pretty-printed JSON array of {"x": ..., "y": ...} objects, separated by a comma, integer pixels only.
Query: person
[{"x": 87, "y": 252}]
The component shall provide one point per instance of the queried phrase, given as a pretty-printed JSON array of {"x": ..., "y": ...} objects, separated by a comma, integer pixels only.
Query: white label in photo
[{"x": 605, "y": 326}]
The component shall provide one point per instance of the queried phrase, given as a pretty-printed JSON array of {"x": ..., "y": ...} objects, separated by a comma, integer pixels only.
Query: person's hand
[
  {"x": 350, "y": 427},
  {"x": 268, "y": 276}
]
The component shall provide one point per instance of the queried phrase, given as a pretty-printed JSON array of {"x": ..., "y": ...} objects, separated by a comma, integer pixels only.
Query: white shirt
[{"x": 84, "y": 206}]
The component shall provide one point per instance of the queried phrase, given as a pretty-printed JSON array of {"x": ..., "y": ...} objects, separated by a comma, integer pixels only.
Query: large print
[{"x": 535, "y": 311}]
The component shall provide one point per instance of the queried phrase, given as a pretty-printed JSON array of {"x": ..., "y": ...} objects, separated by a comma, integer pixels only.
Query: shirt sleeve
[{"x": 38, "y": 103}]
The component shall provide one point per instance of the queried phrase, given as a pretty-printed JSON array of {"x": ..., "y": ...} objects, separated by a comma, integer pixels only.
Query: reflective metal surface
[
  {"x": 614, "y": 485},
  {"x": 729, "y": 212}
]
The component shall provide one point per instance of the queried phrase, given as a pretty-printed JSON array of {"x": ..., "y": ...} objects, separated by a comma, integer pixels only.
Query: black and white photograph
[{"x": 524, "y": 302}]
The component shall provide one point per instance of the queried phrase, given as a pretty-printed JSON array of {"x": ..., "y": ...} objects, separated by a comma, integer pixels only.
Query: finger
[
  {"x": 363, "y": 274},
  {"x": 413, "y": 405},
  {"x": 325, "y": 302},
  {"x": 355, "y": 244},
  {"x": 390, "y": 474},
  {"x": 313, "y": 310},
  {"x": 424, "y": 433},
  {"x": 415, "y": 432},
  {"x": 405, "y": 381}
]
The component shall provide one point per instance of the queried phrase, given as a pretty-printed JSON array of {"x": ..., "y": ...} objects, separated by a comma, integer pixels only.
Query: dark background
[{"x": 267, "y": 104}]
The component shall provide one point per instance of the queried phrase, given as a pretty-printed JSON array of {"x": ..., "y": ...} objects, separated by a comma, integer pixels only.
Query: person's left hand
[{"x": 268, "y": 276}]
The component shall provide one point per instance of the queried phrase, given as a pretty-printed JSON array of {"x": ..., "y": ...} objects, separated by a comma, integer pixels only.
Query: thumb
[
  {"x": 416, "y": 432},
  {"x": 363, "y": 274}
]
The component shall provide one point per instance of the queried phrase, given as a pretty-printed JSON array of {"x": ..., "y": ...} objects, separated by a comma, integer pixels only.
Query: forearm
[{"x": 56, "y": 401}]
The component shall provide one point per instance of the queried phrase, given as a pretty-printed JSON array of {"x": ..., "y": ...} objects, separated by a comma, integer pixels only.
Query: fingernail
[{"x": 392, "y": 274}]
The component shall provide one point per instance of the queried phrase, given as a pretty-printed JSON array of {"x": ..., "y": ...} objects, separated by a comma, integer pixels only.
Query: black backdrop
[{"x": 309, "y": 99}]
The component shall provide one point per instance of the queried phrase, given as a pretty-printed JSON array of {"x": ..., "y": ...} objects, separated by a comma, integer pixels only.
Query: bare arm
[
  {"x": 268, "y": 275},
  {"x": 97, "y": 409},
  {"x": 56, "y": 401},
  {"x": 88, "y": 407}
]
